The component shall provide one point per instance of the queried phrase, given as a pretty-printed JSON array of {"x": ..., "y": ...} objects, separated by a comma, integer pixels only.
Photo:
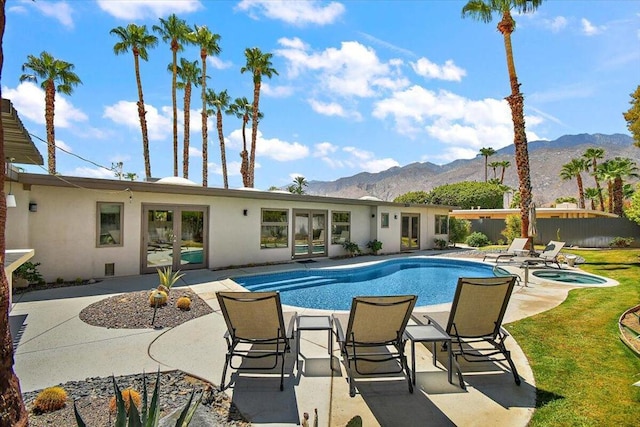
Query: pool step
[{"x": 288, "y": 285}]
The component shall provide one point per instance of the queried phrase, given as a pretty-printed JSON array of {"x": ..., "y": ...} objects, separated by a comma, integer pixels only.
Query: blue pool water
[
  {"x": 570, "y": 277},
  {"x": 432, "y": 279}
]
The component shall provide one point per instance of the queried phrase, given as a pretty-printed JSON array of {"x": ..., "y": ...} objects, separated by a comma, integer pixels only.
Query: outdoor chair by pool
[
  {"x": 476, "y": 317},
  {"x": 374, "y": 334},
  {"x": 515, "y": 248},
  {"x": 255, "y": 329},
  {"x": 551, "y": 252}
]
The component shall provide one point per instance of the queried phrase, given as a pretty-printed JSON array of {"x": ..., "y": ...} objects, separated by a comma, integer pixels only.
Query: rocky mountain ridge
[{"x": 545, "y": 161}]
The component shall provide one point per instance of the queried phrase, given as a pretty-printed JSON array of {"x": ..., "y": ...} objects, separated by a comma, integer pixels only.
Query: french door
[
  {"x": 174, "y": 236},
  {"x": 410, "y": 233},
  {"x": 309, "y": 233}
]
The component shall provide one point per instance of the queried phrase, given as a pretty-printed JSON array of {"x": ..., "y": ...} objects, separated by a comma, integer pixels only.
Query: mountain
[{"x": 545, "y": 161}]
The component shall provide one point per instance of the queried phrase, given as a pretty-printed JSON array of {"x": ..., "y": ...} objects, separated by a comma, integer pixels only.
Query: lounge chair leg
[
  {"x": 224, "y": 373},
  {"x": 282, "y": 373}
]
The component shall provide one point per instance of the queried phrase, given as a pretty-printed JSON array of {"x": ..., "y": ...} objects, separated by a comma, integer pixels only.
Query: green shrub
[
  {"x": 513, "y": 227},
  {"x": 440, "y": 243},
  {"x": 477, "y": 239},
  {"x": 29, "y": 271},
  {"x": 351, "y": 247},
  {"x": 621, "y": 242},
  {"x": 374, "y": 245},
  {"x": 459, "y": 229},
  {"x": 468, "y": 194},
  {"x": 59, "y": 280}
]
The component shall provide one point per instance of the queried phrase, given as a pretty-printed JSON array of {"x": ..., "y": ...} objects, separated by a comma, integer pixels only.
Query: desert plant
[
  {"x": 440, "y": 243},
  {"x": 621, "y": 242},
  {"x": 161, "y": 300},
  {"x": 477, "y": 239},
  {"x": 374, "y": 245},
  {"x": 168, "y": 278},
  {"x": 351, "y": 247},
  {"x": 459, "y": 229},
  {"x": 355, "y": 421},
  {"x": 128, "y": 395},
  {"x": 149, "y": 415},
  {"x": 184, "y": 303},
  {"x": 29, "y": 272},
  {"x": 50, "y": 399},
  {"x": 79, "y": 280},
  {"x": 59, "y": 280}
]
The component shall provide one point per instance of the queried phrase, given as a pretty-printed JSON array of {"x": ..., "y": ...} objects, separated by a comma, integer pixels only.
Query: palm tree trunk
[
  {"x": 223, "y": 155},
  {"x": 516, "y": 103},
  {"x": 595, "y": 177},
  {"x": 187, "y": 122},
  {"x": 610, "y": 201},
  {"x": 12, "y": 407},
  {"x": 205, "y": 142},
  {"x": 49, "y": 112},
  {"x": 254, "y": 133},
  {"x": 486, "y": 161},
  {"x": 174, "y": 103},
  {"x": 580, "y": 191},
  {"x": 502, "y": 175},
  {"x": 142, "y": 116},
  {"x": 618, "y": 196},
  {"x": 244, "y": 155}
]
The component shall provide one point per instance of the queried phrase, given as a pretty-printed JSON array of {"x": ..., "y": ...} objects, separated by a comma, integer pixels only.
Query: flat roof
[{"x": 18, "y": 145}]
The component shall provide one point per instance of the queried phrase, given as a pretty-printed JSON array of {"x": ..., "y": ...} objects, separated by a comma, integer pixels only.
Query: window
[
  {"x": 109, "y": 224},
  {"x": 384, "y": 220},
  {"x": 340, "y": 227},
  {"x": 442, "y": 224},
  {"x": 274, "y": 232}
]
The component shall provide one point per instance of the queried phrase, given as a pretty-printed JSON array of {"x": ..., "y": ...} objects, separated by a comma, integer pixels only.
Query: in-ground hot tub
[{"x": 570, "y": 277}]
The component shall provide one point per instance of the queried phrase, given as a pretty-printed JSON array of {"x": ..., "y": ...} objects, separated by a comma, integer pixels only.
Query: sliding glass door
[
  {"x": 309, "y": 236},
  {"x": 410, "y": 233}
]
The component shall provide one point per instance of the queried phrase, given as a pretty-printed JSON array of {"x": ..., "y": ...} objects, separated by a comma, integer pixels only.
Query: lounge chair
[
  {"x": 476, "y": 317},
  {"x": 374, "y": 334},
  {"x": 256, "y": 324},
  {"x": 551, "y": 252},
  {"x": 514, "y": 249}
]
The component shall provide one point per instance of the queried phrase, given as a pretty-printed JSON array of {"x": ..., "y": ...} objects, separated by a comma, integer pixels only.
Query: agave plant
[
  {"x": 168, "y": 278},
  {"x": 149, "y": 416}
]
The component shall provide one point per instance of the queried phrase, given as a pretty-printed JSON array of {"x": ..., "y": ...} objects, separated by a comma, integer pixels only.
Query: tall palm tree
[
  {"x": 484, "y": 10},
  {"x": 504, "y": 164},
  {"x": 592, "y": 194},
  {"x": 11, "y": 404},
  {"x": 189, "y": 72},
  {"x": 593, "y": 154},
  {"x": 574, "y": 169},
  {"x": 486, "y": 152},
  {"x": 208, "y": 43},
  {"x": 259, "y": 64},
  {"x": 620, "y": 168},
  {"x": 220, "y": 101},
  {"x": 137, "y": 39},
  {"x": 299, "y": 182},
  {"x": 57, "y": 76},
  {"x": 606, "y": 173},
  {"x": 242, "y": 108},
  {"x": 175, "y": 31},
  {"x": 494, "y": 166}
]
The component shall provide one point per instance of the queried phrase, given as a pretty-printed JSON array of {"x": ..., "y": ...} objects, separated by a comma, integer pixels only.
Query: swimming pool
[{"x": 432, "y": 279}]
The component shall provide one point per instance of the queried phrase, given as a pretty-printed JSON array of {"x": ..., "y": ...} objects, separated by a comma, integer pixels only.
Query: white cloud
[
  {"x": 366, "y": 160},
  {"x": 63, "y": 145},
  {"x": 159, "y": 125},
  {"x": 218, "y": 63},
  {"x": 387, "y": 45},
  {"x": 324, "y": 149},
  {"x": 556, "y": 24},
  {"x": 195, "y": 152},
  {"x": 294, "y": 175},
  {"x": 448, "y": 71},
  {"x": 589, "y": 29},
  {"x": 333, "y": 109},
  {"x": 60, "y": 11},
  {"x": 276, "y": 91},
  {"x": 139, "y": 9},
  {"x": 299, "y": 13},
  {"x": 28, "y": 98},
  {"x": 92, "y": 173},
  {"x": 273, "y": 148}
]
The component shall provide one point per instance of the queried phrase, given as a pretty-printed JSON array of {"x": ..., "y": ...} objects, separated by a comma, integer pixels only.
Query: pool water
[
  {"x": 570, "y": 277},
  {"x": 434, "y": 280}
]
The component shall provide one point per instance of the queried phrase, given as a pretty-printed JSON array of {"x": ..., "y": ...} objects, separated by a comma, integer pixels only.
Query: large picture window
[
  {"x": 340, "y": 227},
  {"x": 442, "y": 224},
  {"x": 110, "y": 224},
  {"x": 274, "y": 232}
]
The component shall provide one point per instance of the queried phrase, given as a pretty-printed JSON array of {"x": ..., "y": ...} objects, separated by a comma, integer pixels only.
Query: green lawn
[{"x": 584, "y": 372}]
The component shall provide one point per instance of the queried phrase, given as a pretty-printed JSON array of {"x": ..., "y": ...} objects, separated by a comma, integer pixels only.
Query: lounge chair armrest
[
  {"x": 432, "y": 321},
  {"x": 504, "y": 332},
  {"x": 339, "y": 331},
  {"x": 291, "y": 326}
]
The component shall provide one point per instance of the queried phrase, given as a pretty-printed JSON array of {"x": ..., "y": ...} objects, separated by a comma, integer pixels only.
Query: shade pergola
[{"x": 18, "y": 145}]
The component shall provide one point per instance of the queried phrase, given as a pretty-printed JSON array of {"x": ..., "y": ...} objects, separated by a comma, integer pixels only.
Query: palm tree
[
  {"x": 176, "y": 32},
  {"x": 593, "y": 154},
  {"x": 483, "y": 10},
  {"x": 605, "y": 173},
  {"x": 137, "y": 39},
  {"x": 56, "y": 75},
  {"x": 486, "y": 152},
  {"x": 259, "y": 64},
  {"x": 220, "y": 101},
  {"x": 299, "y": 182},
  {"x": 12, "y": 406},
  {"x": 494, "y": 166},
  {"x": 208, "y": 43},
  {"x": 619, "y": 169},
  {"x": 242, "y": 108},
  {"x": 188, "y": 72},
  {"x": 573, "y": 169},
  {"x": 504, "y": 164},
  {"x": 592, "y": 194}
]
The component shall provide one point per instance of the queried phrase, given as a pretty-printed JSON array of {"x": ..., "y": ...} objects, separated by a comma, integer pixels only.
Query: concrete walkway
[{"x": 54, "y": 346}]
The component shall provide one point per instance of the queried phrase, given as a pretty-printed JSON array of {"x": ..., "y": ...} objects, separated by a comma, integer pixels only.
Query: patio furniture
[
  {"x": 255, "y": 329},
  {"x": 314, "y": 323},
  {"x": 551, "y": 252},
  {"x": 474, "y": 322},
  {"x": 375, "y": 334},
  {"x": 515, "y": 248}
]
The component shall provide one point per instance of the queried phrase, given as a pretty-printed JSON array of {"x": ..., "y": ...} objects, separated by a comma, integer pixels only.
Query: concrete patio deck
[{"x": 54, "y": 346}]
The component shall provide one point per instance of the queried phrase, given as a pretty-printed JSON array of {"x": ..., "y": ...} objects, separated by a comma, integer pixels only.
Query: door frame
[
  {"x": 414, "y": 217},
  {"x": 177, "y": 231},
  {"x": 310, "y": 242}
]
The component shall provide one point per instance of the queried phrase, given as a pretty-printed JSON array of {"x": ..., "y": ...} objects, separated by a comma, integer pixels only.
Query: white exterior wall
[{"x": 63, "y": 230}]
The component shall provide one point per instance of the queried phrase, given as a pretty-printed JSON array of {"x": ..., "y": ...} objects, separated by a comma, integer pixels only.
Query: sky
[{"x": 362, "y": 86}]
